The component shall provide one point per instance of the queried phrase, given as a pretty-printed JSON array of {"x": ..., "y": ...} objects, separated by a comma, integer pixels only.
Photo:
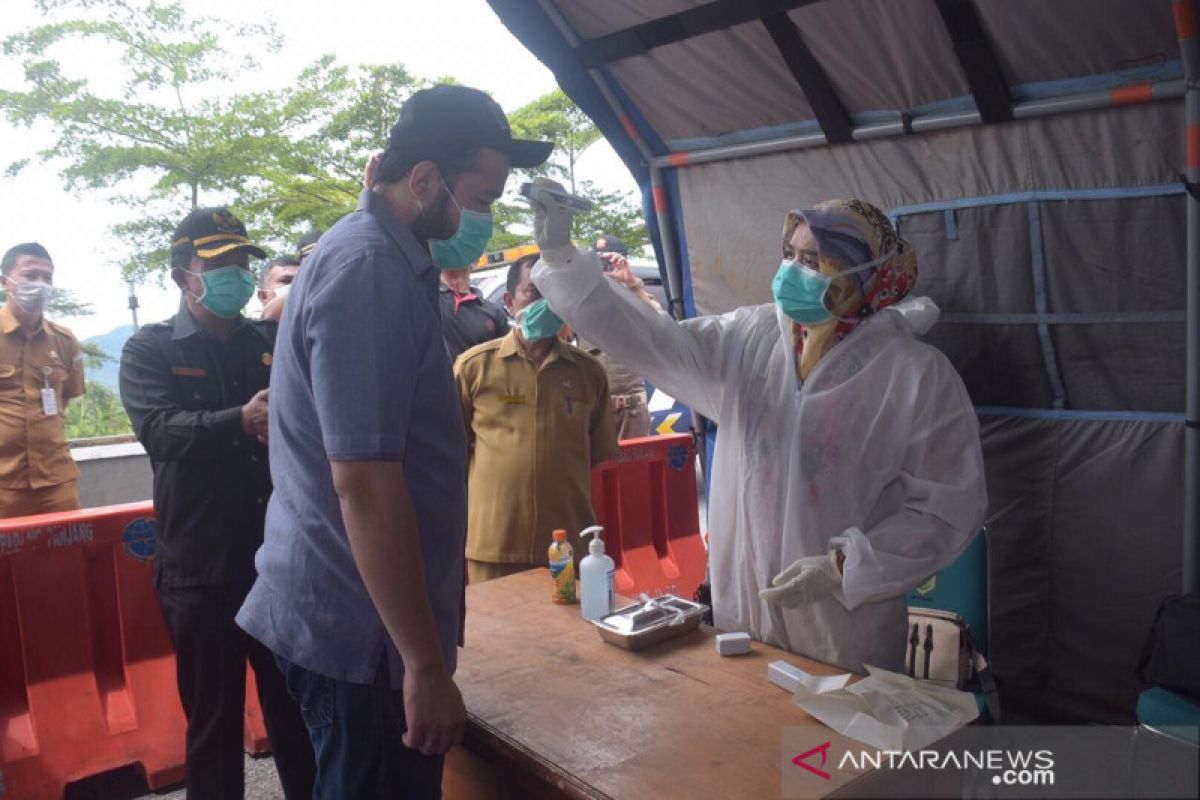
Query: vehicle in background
[{"x": 491, "y": 284}]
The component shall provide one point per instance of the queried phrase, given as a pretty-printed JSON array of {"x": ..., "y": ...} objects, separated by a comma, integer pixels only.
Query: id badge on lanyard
[{"x": 49, "y": 398}]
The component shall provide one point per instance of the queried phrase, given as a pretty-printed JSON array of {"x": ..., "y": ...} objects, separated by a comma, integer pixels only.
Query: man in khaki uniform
[
  {"x": 538, "y": 419},
  {"x": 41, "y": 368}
]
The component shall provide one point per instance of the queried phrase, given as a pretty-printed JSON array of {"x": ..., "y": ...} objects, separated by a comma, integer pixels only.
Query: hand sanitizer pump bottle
[{"x": 597, "y": 573}]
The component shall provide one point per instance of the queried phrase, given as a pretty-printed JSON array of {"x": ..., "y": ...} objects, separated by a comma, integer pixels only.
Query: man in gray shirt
[{"x": 361, "y": 575}]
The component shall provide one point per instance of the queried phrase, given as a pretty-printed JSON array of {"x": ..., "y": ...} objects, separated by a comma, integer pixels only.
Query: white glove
[
  {"x": 806, "y": 580},
  {"x": 551, "y": 225}
]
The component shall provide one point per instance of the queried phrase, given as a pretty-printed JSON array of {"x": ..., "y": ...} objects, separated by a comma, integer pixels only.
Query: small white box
[
  {"x": 786, "y": 676},
  {"x": 733, "y": 644}
]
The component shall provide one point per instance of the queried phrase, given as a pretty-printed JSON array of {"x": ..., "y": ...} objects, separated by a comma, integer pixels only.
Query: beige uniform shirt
[
  {"x": 34, "y": 452},
  {"x": 535, "y": 433}
]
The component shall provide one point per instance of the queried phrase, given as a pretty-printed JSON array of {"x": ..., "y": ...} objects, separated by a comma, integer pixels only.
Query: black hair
[
  {"x": 31, "y": 249},
  {"x": 395, "y": 166},
  {"x": 514, "y": 271},
  {"x": 278, "y": 261}
]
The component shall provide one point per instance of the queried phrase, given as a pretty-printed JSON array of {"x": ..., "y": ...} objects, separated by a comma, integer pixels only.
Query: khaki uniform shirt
[
  {"x": 535, "y": 434},
  {"x": 34, "y": 452}
]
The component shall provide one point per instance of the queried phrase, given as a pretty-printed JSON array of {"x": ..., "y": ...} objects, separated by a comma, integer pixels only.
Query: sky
[{"x": 460, "y": 38}]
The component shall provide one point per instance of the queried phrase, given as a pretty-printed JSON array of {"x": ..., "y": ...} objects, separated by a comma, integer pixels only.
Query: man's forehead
[
  {"x": 527, "y": 272},
  {"x": 283, "y": 270},
  {"x": 33, "y": 262}
]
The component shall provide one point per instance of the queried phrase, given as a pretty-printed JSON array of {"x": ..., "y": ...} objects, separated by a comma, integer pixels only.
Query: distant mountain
[{"x": 111, "y": 343}]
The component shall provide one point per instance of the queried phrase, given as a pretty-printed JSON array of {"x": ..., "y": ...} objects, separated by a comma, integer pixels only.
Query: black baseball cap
[
  {"x": 210, "y": 232},
  {"x": 606, "y": 243},
  {"x": 307, "y": 242},
  {"x": 444, "y": 119}
]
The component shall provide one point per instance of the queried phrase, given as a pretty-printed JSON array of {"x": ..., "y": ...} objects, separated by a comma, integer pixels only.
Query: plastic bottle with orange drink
[{"x": 562, "y": 569}]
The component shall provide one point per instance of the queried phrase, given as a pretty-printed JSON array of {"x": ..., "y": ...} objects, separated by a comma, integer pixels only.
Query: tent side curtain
[
  {"x": 733, "y": 211},
  {"x": 1084, "y": 520},
  {"x": 1048, "y": 302}
]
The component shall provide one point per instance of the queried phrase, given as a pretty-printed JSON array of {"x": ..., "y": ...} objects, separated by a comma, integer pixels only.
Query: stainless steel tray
[{"x": 645, "y": 624}]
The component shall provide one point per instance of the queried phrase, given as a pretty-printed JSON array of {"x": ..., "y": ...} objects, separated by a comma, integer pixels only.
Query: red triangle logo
[{"x": 800, "y": 760}]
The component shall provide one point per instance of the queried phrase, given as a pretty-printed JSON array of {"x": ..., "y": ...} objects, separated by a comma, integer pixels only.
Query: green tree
[
  {"x": 316, "y": 181},
  {"x": 98, "y": 413},
  {"x": 556, "y": 118},
  {"x": 94, "y": 356},
  {"x": 613, "y": 213},
  {"x": 166, "y": 122}
]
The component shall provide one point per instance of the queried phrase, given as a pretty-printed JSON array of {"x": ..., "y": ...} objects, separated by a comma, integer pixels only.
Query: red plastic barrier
[
  {"x": 646, "y": 500},
  {"x": 254, "y": 737},
  {"x": 87, "y": 671}
]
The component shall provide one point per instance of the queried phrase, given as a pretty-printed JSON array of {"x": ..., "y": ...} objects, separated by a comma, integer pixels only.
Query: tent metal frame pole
[
  {"x": 666, "y": 232},
  {"x": 1124, "y": 96},
  {"x": 1185, "y": 27},
  {"x": 662, "y": 207}
]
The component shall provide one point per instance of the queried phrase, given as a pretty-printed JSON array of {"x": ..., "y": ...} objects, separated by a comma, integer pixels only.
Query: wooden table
[{"x": 556, "y": 712}]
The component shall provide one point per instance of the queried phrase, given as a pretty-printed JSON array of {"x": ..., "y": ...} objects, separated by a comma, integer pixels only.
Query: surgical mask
[
  {"x": 800, "y": 290},
  {"x": 226, "y": 290},
  {"x": 281, "y": 291},
  {"x": 31, "y": 296},
  {"x": 539, "y": 322},
  {"x": 467, "y": 244}
]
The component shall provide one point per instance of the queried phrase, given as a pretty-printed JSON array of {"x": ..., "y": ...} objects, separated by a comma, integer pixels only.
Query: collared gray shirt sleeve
[{"x": 364, "y": 334}]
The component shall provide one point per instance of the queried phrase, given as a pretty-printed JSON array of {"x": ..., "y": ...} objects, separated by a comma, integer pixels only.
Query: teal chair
[
  {"x": 1169, "y": 713},
  {"x": 964, "y": 588}
]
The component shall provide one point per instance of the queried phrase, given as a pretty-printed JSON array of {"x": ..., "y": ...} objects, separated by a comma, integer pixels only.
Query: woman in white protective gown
[{"x": 848, "y": 466}]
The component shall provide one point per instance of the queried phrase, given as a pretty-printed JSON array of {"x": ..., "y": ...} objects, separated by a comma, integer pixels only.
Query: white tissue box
[{"x": 733, "y": 644}]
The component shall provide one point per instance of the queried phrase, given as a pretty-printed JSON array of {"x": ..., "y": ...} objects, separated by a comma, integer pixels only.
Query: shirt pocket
[
  {"x": 572, "y": 408},
  {"x": 10, "y": 383},
  {"x": 54, "y": 373},
  {"x": 196, "y": 388}
]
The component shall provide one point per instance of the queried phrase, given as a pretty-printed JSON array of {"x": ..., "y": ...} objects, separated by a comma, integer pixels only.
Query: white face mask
[
  {"x": 31, "y": 296},
  {"x": 281, "y": 291}
]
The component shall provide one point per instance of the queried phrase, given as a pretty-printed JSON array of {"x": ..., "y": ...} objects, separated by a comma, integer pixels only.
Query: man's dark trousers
[{"x": 211, "y": 653}]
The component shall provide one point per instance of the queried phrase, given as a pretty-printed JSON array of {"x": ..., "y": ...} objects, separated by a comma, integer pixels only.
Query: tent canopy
[
  {"x": 878, "y": 58},
  {"x": 1032, "y": 152}
]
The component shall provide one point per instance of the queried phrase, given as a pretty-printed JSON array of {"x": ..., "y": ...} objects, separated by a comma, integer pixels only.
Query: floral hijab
[{"x": 850, "y": 233}]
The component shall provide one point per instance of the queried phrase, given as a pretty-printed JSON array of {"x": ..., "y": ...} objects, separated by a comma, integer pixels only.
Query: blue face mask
[
  {"x": 539, "y": 322},
  {"x": 467, "y": 244},
  {"x": 226, "y": 290},
  {"x": 800, "y": 290}
]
